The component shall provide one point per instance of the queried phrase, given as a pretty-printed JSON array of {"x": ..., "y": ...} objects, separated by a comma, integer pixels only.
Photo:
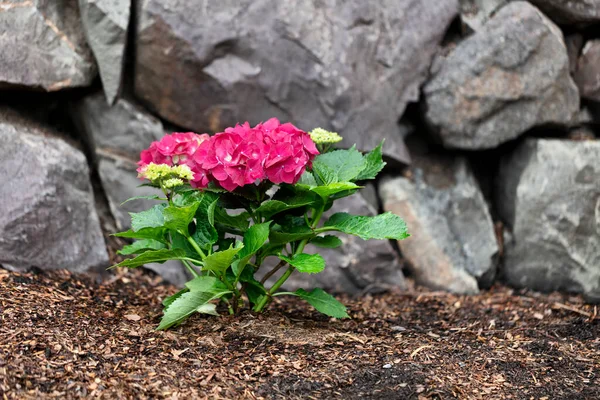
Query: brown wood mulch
[{"x": 65, "y": 336}]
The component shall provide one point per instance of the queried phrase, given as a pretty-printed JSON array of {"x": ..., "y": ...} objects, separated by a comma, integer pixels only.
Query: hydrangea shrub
[{"x": 234, "y": 199}]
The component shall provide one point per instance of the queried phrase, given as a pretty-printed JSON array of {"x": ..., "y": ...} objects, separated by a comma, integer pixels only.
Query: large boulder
[
  {"x": 509, "y": 76},
  {"x": 122, "y": 129},
  {"x": 105, "y": 24},
  {"x": 47, "y": 213},
  {"x": 587, "y": 74},
  {"x": 116, "y": 135},
  {"x": 580, "y": 12},
  {"x": 348, "y": 66},
  {"x": 549, "y": 196},
  {"x": 475, "y": 13},
  {"x": 43, "y": 45},
  {"x": 355, "y": 267},
  {"x": 452, "y": 245}
]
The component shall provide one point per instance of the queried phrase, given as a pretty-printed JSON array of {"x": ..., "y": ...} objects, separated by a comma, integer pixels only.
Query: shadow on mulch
[{"x": 65, "y": 336}]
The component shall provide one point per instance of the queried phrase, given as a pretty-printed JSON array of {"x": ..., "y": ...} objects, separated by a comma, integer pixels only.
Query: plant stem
[
  {"x": 190, "y": 268},
  {"x": 273, "y": 271},
  {"x": 263, "y": 302},
  {"x": 196, "y": 247}
]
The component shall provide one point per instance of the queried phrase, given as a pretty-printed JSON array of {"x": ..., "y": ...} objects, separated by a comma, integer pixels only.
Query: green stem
[
  {"x": 263, "y": 302},
  {"x": 190, "y": 268},
  {"x": 196, "y": 247}
]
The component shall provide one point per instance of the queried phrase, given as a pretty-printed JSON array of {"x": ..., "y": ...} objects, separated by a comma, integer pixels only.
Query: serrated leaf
[
  {"x": 221, "y": 260},
  {"x": 238, "y": 222},
  {"x": 323, "y": 302},
  {"x": 308, "y": 179},
  {"x": 290, "y": 229},
  {"x": 254, "y": 289},
  {"x": 145, "y": 233},
  {"x": 338, "y": 166},
  {"x": 185, "y": 305},
  {"x": 179, "y": 218},
  {"x": 305, "y": 263},
  {"x": 141, "y": 246},
  {"x": 152, "y": 256},
  {"x": 152, "y": 218},
  {"x": 169, "y": 300},
  {"x": 178, "y": 241},
  {"x": 382, "y": 226},
  {"x": 327, "y": 241},
  {"x": 254, "y": 238},
  {"x": 373, "y": 164},
  {"x": 208, "y": 308},
  {"x": 205, "y": 283},
  {"x": 205, "y": 234},
  {"x": 335, "y": 188},
  {"x": 151, "y": 197}
]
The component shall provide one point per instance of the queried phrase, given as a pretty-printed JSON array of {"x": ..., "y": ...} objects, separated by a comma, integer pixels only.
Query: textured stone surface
[
  {"x": 355, "y": 267},
  {"x": 349, "y": 66},
  {"x": 123, "y": 129},
  {"x": 171, "y": 271},
  {"x": 120, "y": 182},
  {"x": 453, "y": 243},
  {"x": 43, "y": 45},
  {"x": 511, "y": 75},
  {"x": 105, "y": 23},
  {"x": 475, "y": 13},
  {"x": 47, "y": 213},
  {"x": 549, "y": 196},
  {"x": 587, "y": 75},
  {"x": 571, "y": 11}
]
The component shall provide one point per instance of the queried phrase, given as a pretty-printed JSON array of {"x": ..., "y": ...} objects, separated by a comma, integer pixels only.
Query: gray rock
[
  {"x": 587, "y": 75},
  {"x": 120, "y": 182},
  {"x": 348, "y": 66},
  {"x": 171, "y": 271},
  {"x": 580, "y": 12},
  {"x": 511, "y": 75},
  {"x": 43, "y": 45},
  {"x": 123, "y": 129},
  {"x": 47, "y": 213},
  {"x": 549, "y": 196},
  {"x": 574, "y": 43},
  {"x": 453, "y": 245},
  {"x": 357, "y": 266},
  {"x": 475, "y": 13},
  {"x": 105, "y": 23}
]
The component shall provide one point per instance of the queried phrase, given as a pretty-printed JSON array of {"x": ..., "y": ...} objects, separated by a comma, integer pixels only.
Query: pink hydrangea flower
[
  {"x": 238, "y": 156},
  {"x": 291, "y": 151},
  {"x": 232, "y": 158},
  {"x": 174, "y": 149}
]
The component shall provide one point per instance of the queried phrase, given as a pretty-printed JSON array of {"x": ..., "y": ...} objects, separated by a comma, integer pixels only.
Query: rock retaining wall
[{"x": 489, "y": 109}]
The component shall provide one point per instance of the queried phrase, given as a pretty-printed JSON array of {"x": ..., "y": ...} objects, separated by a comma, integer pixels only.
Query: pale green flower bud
[{"x": 321, "y": 136}]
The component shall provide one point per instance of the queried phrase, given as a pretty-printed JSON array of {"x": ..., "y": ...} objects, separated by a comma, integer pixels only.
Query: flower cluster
[{"x": 238, "y": 156}]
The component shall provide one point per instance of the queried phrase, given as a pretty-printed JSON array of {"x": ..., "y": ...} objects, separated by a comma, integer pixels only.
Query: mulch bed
[{"x": 65, "y": 336}]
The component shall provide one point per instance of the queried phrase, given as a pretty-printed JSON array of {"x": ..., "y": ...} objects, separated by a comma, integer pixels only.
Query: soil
[{"x": 66, "y": 336}]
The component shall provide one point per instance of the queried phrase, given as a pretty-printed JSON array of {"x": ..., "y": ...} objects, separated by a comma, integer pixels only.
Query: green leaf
[
  {"x": 254, "y": 238},
  {"x": 178, "y": 241},
  {"x": 179, "y": 218},
  {"x": 169, "y": 300},
  {"x": 152, "y": 218},
  {"x": 238, "y": 222},
  {"x": 307, "y": 179},
  {"x": 254, "y": 289},
  {"x": 323, "y": 302},
  {"x": 187, "y": 304},
  {"x": 338, "y": 166},
  {"x": 373, "y": 164},
  {"x": 205, "y": 283},
  {"x": 145, "y": 233},
  {"x": 205, "y": 235},
  {"x": 382, "y": 226},
  {"x": 141, "y": 246},
  {"x": 335, "y": 188},
  {"x": 306, "y": 263},
  {"x": 221, "y": 260},
  {"x": 327, "y": 241},
  {"x": 291, "y": 201},
  {"x": 152, "y": 256},
  {"x": 152, "y": 197}
]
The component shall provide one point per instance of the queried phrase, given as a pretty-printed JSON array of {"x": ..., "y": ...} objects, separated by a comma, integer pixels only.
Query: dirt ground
[{"x": 65, "y": 336}]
